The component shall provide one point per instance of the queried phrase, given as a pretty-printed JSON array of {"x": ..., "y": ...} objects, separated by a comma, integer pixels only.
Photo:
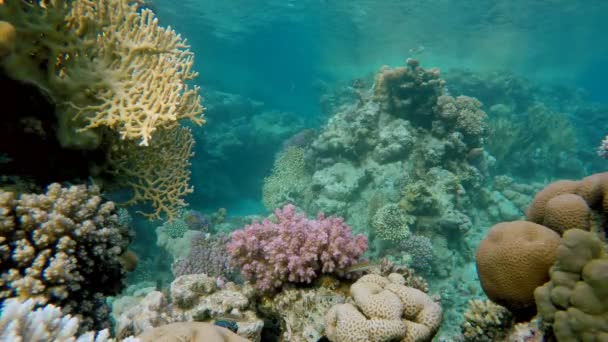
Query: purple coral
[
  {"x": 294, "y": 249},
  {"x": 207, "y": 255}
]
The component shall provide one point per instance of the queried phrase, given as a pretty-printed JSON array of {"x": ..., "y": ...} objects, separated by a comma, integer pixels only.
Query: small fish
[
  {"x": 230, "y": 318},
  {"x": 360, "y": 266}
]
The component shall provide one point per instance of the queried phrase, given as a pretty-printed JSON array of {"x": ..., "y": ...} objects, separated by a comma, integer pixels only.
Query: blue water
[{"x": 279, "y": 76}]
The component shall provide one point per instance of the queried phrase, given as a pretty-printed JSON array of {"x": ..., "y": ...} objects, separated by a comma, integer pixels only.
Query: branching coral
[
  {"x": 294, "y": 248},
  {"x": 106, "y": 63},
  {"x": 110, "y": 64},
  {"x": 62, "y": 247},
  {"x": 158, "y": 174},
  {"x": 19, "y": 321},
  {"x": 134, "y": 74}
]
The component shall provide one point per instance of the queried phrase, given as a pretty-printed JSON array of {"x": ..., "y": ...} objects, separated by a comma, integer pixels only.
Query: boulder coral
[
  {"x": 575, "y": 300},
  {"x": 513, "y": 259},
  {"x": 384, "y": 309},
  {"x": 569, "y": 204}
]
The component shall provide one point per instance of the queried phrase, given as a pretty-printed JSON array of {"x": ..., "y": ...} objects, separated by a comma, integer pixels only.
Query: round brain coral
[
  {"x": 513, "y": 259},
  {"x": 536, "y": 211},
  {"x": 567, "y": 211}
]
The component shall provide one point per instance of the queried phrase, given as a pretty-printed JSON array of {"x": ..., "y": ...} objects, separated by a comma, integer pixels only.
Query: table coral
[{"x": 62, "y": 247}]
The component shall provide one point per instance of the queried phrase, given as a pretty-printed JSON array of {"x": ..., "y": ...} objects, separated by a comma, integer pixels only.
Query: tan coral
[
  {"x": 513, "y": 259},
  {"x": 385, "y": 310},
  {"x": 536, "y": 211},
  {"x": 567, "y": 211}
]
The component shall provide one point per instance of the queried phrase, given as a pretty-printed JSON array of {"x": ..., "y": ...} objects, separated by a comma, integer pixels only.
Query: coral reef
[
  {"x": 513, "y": 259},
  {"x": 193, "y": 298},
  {"x": 384, "y": 309},
  {"x": 574, "y": 300},
  {"x": 293, "y": 248},
  {"x": 62, "y": 247}
]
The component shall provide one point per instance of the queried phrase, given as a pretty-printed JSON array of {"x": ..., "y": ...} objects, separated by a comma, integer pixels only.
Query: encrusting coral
[
  {"x": 384, "y": 309},
  {"x": 63, "y": 247},
  {"x": 575, "y": 300}
]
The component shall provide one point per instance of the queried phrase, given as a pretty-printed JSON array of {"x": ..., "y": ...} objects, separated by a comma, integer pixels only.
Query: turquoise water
[{"x": 416, "y": 127}]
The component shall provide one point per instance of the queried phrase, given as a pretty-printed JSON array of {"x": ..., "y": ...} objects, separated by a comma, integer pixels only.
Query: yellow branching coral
[
  {"x": 134, "y": 73},
  {"x": 159, "y": 173},
  {"x": 105, "y": 63}
]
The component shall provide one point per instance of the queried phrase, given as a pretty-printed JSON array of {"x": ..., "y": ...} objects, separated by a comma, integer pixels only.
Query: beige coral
[
  {"x": 513, "y": 259},
  {"x": 385, "y": 310},
  {"x": 136, "y": 74}
]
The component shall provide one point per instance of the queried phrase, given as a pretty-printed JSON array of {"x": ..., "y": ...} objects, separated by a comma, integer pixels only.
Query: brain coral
[
  {"x": 575, "y": 300},
  {"x": 567, "y": 211},
  {"x": 536, "y": 211},
  {"x": 568, "y": 204},
  {"x": 385, "y": 310},
  {"x": 513, "y": 259}
]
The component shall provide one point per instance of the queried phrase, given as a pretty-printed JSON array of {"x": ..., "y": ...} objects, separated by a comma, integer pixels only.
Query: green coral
[
  {"x": 575, "y": 300},
  {"x": 289, "y": 177},
  {"x": 392, "y": 223}
]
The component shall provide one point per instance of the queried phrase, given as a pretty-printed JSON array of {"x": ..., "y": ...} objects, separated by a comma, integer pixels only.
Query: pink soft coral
[{"x": 294, "y": 249}]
